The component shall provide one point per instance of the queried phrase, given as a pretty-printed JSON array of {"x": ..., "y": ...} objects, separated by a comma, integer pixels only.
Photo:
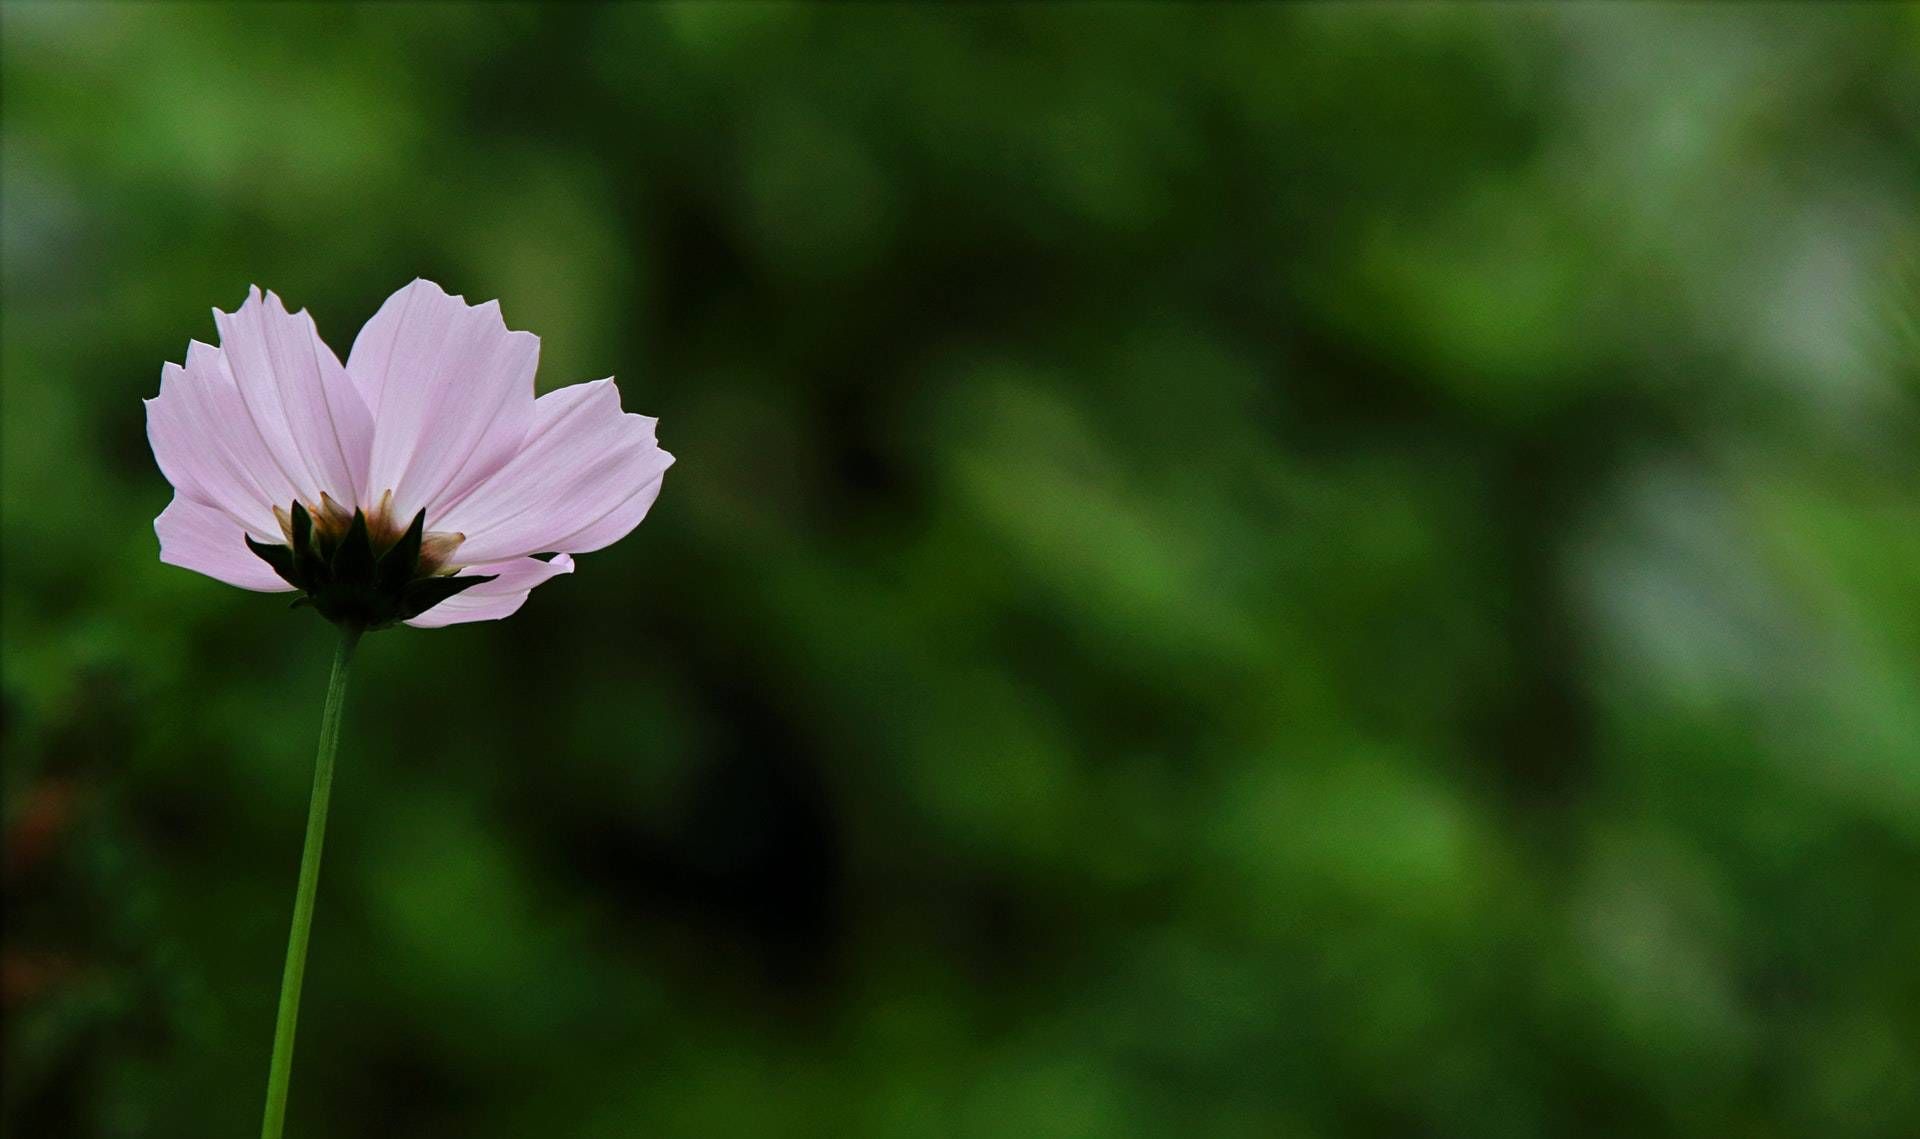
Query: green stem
[{"x": 282, "y": 1070}]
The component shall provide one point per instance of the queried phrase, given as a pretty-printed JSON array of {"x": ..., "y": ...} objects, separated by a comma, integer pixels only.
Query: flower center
[
  {"x": 362, "y": 568},
  {"x": 331, "y": 522}
]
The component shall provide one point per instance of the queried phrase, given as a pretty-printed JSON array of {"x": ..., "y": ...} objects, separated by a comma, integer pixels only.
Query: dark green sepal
[
  {"x": 302, "y": 525},
  {"x": 323, "y": 544},
  {"x": 353, "y": 561},
  {"x": 398, "y": 564},
  {"x": 428, "y": 592},
  {"x": 281, "y": 559}
]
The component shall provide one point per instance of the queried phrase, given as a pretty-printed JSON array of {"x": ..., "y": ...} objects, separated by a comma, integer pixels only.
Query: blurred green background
[{"x": 1233, "y": 571}]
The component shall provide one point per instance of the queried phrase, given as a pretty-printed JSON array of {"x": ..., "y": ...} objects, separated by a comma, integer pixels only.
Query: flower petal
[
  {"x": 206, "y": 540},
  {"x": 618, "y": 522},
  {"x": 451, "y": 390},
  {"x": 207, "y": 445},
  {"x": 316, "y": 428},
  {"x": 492, "y": 600},
  {"x": 584, "y": 476}
]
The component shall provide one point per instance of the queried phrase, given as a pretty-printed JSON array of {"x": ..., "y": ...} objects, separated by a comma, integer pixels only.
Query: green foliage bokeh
[{"x": 1232, "y": 571}]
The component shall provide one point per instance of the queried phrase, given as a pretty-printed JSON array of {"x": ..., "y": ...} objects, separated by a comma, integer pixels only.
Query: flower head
[{"x": 416, "y": 483}]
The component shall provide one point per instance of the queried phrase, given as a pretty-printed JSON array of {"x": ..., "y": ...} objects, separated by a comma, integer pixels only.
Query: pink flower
[{"x": 415, "y": 483}]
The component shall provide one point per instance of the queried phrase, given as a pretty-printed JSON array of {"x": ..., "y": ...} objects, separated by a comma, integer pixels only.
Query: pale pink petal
[
  {"x": 616, "y": 523},
  {"x": 317, "y": 430},
  {"x": 583, "y": 477},
  {"x": 207, "y": 445},
  {"x": 492, "y": 600},
  {"x": 206, "y": 540},
  {"x": 452, "y": 393}
]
